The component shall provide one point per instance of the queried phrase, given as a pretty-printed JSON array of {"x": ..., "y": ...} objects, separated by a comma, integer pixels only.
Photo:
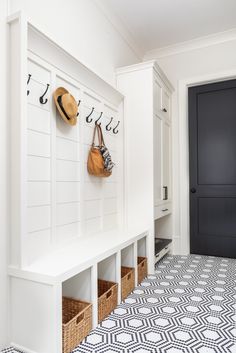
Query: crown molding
[
  {"x": 151, "y": 64},
  {"x": 198, "y": 43},
  {"x": 120, "y": 28}
]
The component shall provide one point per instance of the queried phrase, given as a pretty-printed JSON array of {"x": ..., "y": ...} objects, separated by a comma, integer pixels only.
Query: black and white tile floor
[{"x": 188, "y": 306}]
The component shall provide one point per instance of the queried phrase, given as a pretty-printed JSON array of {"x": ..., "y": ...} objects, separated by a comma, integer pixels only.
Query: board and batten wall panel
[
  {"x": 64, "y": 201},
  {"x": 39, "y": 186},
  {"x": 67, "y": 175}
]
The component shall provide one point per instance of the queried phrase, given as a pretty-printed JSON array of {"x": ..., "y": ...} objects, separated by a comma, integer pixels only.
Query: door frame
[{"x": 184, "y": 209}]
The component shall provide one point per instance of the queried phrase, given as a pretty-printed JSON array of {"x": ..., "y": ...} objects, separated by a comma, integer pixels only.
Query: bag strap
[
  {"x": 96, "y": 129},
  {"x": 101, "y": 135}
]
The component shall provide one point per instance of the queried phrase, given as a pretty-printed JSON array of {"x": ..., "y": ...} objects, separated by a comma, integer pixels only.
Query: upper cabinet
[{"x": 162, "y": 98}]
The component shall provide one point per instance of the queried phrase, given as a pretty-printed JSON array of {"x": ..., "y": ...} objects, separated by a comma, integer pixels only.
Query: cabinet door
[
  {"x": 166, "y": 145},
  {"x": 165, "y": 102},
  {"x": 157, "y": 98},
  {"x": 162, "y": 101},
  {"x": 158, "y": 194}
]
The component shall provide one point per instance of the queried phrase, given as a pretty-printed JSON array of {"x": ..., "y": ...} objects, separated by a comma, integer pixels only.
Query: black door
[{"x": 212, "y": 147}]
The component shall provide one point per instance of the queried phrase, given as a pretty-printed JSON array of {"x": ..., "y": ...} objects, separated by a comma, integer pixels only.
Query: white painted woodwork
[
  {"x": 162, "y": 210},
  {"x": 35, "y": 312},
  {"x": 142, "y": 247},
  {"x": 127, "y": 256},
  {"x": 79, "y": 286},
  {"x": 68, "y": 228},
  {"x": 52, "y": 190},
  {"x": 71, "y": 272},
  {"x": 166, "y": 159},
  {"x": 147, "y": 110},
  {"x": 107, "y": 269}
]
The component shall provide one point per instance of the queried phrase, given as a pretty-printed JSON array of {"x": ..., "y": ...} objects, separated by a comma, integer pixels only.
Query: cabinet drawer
[{"x": 162, "y": 210}]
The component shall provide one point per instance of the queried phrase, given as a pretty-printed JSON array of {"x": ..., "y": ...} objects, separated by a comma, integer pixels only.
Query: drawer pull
[
  {"x": 165, "y": 209},
  {"x": 165, "y": 192},
  {"x": 164, "y": 110}
]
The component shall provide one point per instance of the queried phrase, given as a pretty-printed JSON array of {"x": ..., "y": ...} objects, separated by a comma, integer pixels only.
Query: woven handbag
[{"x": 97, "y": 158}]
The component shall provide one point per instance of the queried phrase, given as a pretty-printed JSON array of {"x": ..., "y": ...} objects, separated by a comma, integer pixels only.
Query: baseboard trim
[{"x": 21, "y": 348}]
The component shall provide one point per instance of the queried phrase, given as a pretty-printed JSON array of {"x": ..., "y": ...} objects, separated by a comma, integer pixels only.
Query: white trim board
[
  {"x": 183, "y": 86},
  {"x": 198, "y": 43},
  {"x": 21, "y": 349}
]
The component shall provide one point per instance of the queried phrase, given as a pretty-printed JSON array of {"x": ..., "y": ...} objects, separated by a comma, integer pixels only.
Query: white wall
[
  {"x": 82, "y": 29},
  {"x": 3, "y": 179},
  {"x": 214, "y": 59}
]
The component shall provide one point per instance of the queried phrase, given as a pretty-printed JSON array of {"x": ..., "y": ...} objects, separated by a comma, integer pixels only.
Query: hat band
[{"x": 61, "y": 106}]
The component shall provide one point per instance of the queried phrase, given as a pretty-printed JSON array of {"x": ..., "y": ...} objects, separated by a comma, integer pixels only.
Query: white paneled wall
[
  {"x": 64, "y": 201},
  {"x": 67, "y": 175},
  {"x": 39, "y": 164}
]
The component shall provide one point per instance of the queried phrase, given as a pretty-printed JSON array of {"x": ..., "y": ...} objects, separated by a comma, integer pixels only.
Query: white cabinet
[
  {"x": 158, "y": 159},
  {"x": 147, "y": 110},
  {"x": 162, "y": 145},
  {"x": 166, "y": 166},
  {"x": 165, "y": 102}
]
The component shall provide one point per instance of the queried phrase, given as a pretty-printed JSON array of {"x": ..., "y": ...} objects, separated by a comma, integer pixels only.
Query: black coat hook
[
  {"x": 78, "y": 107},
  {"x": 29, "y": 77},
  {"x": 87, "y": 117},
  {"x": 41, "y": 99},
  {"x": 114, "y": 130},
  {"x": 98, "y": 118},
  {"x": 108, "y": 127}
]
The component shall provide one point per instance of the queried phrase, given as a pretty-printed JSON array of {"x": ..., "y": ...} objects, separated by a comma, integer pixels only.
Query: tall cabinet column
[{"x": 147, "y": 108}]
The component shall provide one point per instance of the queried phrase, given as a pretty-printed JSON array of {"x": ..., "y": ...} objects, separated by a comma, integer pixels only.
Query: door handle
[{"x": 193, "y": 190}]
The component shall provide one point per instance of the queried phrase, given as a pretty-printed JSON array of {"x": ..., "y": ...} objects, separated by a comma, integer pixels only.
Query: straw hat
[{"x": 66, "y": 105}]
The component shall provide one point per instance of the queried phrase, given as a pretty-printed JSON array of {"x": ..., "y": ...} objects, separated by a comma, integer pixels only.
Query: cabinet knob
[
  {"x": 164, "y": 110},
  {"x": 193, "y": 190}
]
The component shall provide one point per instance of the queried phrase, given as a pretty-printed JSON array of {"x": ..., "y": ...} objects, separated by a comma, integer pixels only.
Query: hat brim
[{"x": 59, "y": 92}]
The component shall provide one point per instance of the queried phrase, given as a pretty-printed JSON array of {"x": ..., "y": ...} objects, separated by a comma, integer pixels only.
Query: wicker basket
[
  {"x": 77, "y": 322},
  {"x": 107, "y": 298},
  {"x": 127, "y": 281},
  {"x": 142, "y": 268}
]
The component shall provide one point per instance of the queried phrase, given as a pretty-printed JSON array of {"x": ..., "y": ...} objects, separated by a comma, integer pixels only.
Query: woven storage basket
[
  {"x": 127, "y": 281},
  {"x": 77, "y": 322},
  {"x": 142, "y": 268},
  {"x": 107, "y": 298}
]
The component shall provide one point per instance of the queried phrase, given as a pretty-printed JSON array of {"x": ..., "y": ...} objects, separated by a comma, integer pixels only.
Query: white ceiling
[{"x": 155, "y": 24}]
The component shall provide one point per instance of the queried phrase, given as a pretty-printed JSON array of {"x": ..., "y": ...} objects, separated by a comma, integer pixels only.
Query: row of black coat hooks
[{"x": 89, "y": 118}]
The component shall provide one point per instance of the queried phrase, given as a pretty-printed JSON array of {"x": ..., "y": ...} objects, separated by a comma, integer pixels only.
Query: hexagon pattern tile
[{"x": 189, "y": 306}]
